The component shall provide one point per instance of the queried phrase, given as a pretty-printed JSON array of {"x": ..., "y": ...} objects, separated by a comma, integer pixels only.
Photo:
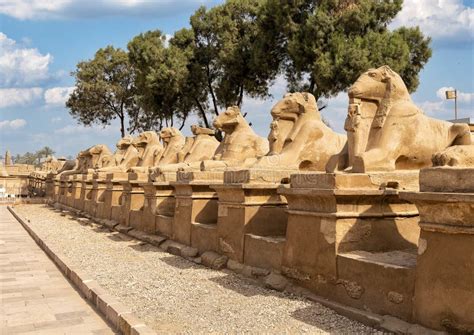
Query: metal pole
[{"x": 455, "y": 104}]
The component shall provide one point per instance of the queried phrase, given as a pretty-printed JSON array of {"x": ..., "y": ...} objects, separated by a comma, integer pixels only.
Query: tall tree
[
  {"x": 227, "y": 55},
  {"x": 104, "y": 90},
  {"x": 324, "y": 45},
  {"x": 161, "y": 78},
  {"x": 44, "y": 153}
]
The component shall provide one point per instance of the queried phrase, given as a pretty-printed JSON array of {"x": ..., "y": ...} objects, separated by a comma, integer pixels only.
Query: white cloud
[
  {"x": 440, "y": 19},
  {"x": 12, "y": 124},
  {"x": 19, "y": 96},
  {"x": 433, "y": 108},
  {"x": 58, "y": 9},
  {"x": 56, "y": 119},
  {"x": 21, "y": 66},
  {"x": 57, "y": 95},
  {"x": 462, "y": 96}
]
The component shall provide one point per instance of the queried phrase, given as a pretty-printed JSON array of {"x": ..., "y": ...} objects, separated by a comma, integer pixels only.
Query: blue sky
[{"x": 42, "y": 41}]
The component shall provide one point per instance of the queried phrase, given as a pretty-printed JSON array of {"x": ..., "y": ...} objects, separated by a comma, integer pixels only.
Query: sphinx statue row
[
  {"x": 386, "y": 131},
  {"x": 372, "y": 236}
]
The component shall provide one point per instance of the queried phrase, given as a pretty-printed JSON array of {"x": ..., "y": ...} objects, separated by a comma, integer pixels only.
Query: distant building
[{"x": 8, "y": 158}]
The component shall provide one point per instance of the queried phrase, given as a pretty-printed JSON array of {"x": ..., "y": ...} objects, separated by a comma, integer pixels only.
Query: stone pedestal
[
  {"x": 70, "y": 193},
  {"x": 110, "y": 207},
  {"x": 61, "y": 189},
  {"x": 49, "y": 185},
  {"x": 90, "y": 195},
  {"x": 196, "y": 203},
  {"x": 444, "y": 290},
  {"x": 99, "y": 186},
  {"x": 78, "y": 191},
  {"x": 133, "y": 198},
  {"x": 340, "y": 226},
  {"x": 249, "y": 208},
  {"x": 73, "y": 186},
  {"x": 56, "y": 193},
  {"x": 156, "y": 212}
]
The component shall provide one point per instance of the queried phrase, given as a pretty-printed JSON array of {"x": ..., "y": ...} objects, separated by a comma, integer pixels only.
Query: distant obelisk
[{"x": 8, "y": 158}]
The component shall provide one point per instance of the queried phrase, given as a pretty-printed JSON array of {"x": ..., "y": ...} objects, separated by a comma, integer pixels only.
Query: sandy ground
[{"x": 173, "y": 295}]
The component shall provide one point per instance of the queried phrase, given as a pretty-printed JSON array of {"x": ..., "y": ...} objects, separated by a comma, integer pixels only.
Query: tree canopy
[
  {"x": 324, "y": 45},
  {"x": 161, "y": 80},
  {"x": 238, "y": 49},
  {"x": 33, "y": 158},
  {"x": 104, "y": 90}
]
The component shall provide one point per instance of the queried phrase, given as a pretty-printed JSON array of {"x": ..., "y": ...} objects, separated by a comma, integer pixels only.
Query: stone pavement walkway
[{"x": 35, "y": 298}]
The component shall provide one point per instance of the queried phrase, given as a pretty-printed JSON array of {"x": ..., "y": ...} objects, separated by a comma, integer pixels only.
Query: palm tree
[{"x": 43, "y": 153}]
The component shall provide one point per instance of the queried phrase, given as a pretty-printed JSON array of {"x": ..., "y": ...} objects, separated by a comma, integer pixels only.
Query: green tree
[
  {"x": 161, "y": 80},
  {"x": 324, "y": 45},
  {"x": 104, "y": 90},
  {"x": 228, "y": 60},
  {"x": 204, "y": 68},
  {"x": 26, "y": 158},
  {"x": 44, "y": 153}
]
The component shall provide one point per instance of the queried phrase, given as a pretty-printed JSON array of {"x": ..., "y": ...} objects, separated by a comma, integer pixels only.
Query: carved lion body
[
  {"x": 150, "y": 150},
  {"x": 123, "y": 158},
  {"x": 201, "y": 147},
  {"x": 298, "y": 137},
  {"x": 86, "y": 161},
  {"x": 455, "y": 156},
  {"x": 204, "y": 145},
  {"x": 99, "y": 155},
  {"x": 240, "y": 143},
  {"x": 399, "y": 135},
  {"x": 173, "y": 142}
]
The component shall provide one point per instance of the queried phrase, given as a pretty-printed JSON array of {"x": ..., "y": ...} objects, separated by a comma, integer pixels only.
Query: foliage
[
  {"x": 325, "y": 45},
  {"x": 104, "y": 90},
  {"x": 33, "y": 158},
  {"x": 237, "y": 49},
  {"x": 161, "y": 80},
  {"x": 228, "y": 53}
]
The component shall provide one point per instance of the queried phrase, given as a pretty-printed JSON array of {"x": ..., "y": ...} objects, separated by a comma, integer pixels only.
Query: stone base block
[
  {"x": 236, "y": 221},
  {"x": 257, "y": 176},
  {"x": 384, "y": 281},
  {"x": 140, "y": 221},
  {"x": 163, "y": 177},
  {"x": 400, "y": 180},
  {"x": 264, "y": 251},
  {"x": 205, "y": 177},
  {"x": 204, "y": 237},
  {"x": 116, "y": 213},
  {"x": 441, "y": 179},
  {"x": 200, "y": 207},
  {"x": 444, "y": 296},
  {"x": 164, "y": 225}
]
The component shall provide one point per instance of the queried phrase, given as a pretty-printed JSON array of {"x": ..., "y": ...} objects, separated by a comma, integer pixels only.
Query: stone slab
[
  {"x": 49, "y": 304},
  {"x": 257, "y": 176},
  {"x": 448, "y": 180},
  {"x": 206, "y": 177},
  {"x": 104, "y": 303},
  {"x": 406, "y": 180}
]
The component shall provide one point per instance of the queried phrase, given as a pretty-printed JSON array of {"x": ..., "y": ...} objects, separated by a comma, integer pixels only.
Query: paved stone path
[{"x": 35, "y": 298}]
